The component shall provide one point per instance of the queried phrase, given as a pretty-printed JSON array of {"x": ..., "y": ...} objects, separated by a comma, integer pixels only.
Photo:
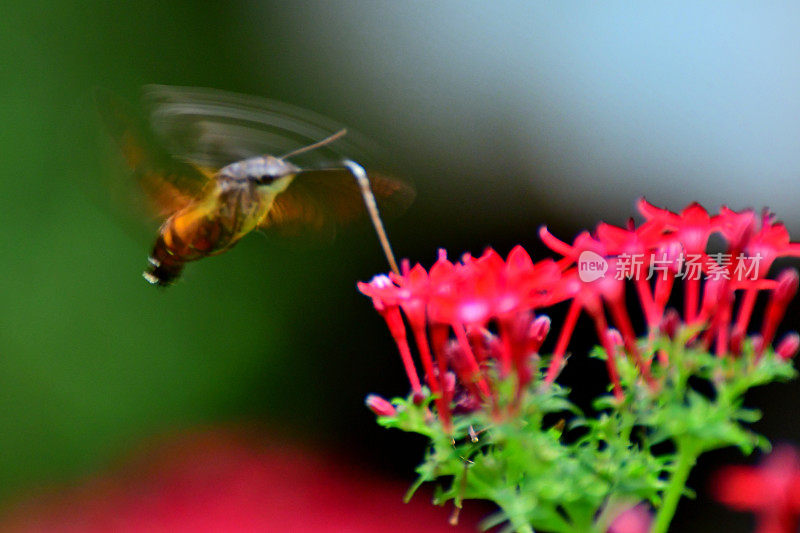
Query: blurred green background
[{"x": 506, "y": 115}]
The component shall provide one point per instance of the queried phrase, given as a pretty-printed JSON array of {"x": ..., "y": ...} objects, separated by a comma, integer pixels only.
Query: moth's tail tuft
[
  {"x": 162, "y": 277},
  {"x": 164, "y": 267}
]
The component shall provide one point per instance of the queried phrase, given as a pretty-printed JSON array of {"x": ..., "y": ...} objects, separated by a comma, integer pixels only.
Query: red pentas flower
[
  {"x": 386, "y": 299},
  {"x": 479, "y": 312},
  {"x": 692, "y": 228},
  {"x": 632, "y": 246},
  {"x": 770, "y": 490},
  {"x": 770, "y": 242},
  {"x": 478, "y": 330},
  {"x": 588, "y": 291},
  {"x": 670, "y": 248},
  {"x": 467, "y": 317}
]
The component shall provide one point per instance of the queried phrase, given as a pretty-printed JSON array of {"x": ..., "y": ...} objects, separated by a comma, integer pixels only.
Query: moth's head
[{"x": 263, "y": 170}]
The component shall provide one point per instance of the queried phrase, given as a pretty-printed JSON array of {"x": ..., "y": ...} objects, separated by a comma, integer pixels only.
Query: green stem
[
  {"x": 520, "y": 524},
  {"x": 687, "y": 456},
  {"x": 511, "y": 508}
]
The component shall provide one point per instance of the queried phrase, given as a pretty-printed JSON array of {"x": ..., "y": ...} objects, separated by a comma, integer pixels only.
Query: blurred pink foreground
[{"x": 220, "y": 481}]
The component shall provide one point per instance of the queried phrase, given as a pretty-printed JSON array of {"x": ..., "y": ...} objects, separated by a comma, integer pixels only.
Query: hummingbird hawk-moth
[{"x": 202, "y": 159}]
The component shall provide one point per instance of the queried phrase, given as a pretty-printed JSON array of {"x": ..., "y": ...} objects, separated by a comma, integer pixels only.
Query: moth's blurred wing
[
  {"x": 169, "y": 183},
  {"x": 319, "y": 200},
  {"x": 213, "y": 128}
]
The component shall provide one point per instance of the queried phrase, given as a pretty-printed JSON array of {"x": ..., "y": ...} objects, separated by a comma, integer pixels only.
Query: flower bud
[
  {"x": 788, "y": 346},
  {"x": 788, "y": 282},
  {"x": 418, "y": 397},
  {"x": 782, "y": 294},
  {"x": 737, "y": 338},
  {"x": 615, "y": 337},
  {"x": 539, "y": 329},
  {"x": 758, "y": 343},
  {"x": 670, "y": 323},
  {"x": 380, "y": 406},
  {"x": 449, "y": 383}
]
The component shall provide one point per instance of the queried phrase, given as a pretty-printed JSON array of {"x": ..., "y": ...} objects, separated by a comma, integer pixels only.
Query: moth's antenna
[
  {"x": 360, "y": 175},
  {"x": 327, "y": 140}
]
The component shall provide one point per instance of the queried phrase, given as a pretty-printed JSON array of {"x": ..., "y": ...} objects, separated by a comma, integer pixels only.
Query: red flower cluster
[
  {"x": 668, "y": 247},
  {"x": 449, "y": 311},
  {"x": 771, "y": 490},
  {"x": 470, "y": 300}
]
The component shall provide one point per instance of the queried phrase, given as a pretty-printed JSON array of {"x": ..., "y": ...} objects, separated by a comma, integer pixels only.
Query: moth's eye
[{"x": 264, "y": 179}]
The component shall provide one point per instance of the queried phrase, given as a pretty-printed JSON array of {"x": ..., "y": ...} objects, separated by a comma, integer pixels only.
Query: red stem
[
  {"x": 563, "y": 339},
  {"x": 442, "y": 405}
]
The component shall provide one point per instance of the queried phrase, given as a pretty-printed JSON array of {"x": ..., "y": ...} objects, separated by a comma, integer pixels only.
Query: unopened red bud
[
  {"x": 614, "y": 337},
  {"x": 449, "y": 383},
  {"x": 737, "y": 338},
  {"x": 670, "y": 323},
  {"x": 788, "y": 346},
  {"x": 539, "y": 328},
  {"x": 418, "y": 397},
  {"x": 782, "y": 294},
  {"x": 788, "y": 282},
  {"x": 758, "y": 343},
  {"x": 380, "y": 406}
]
